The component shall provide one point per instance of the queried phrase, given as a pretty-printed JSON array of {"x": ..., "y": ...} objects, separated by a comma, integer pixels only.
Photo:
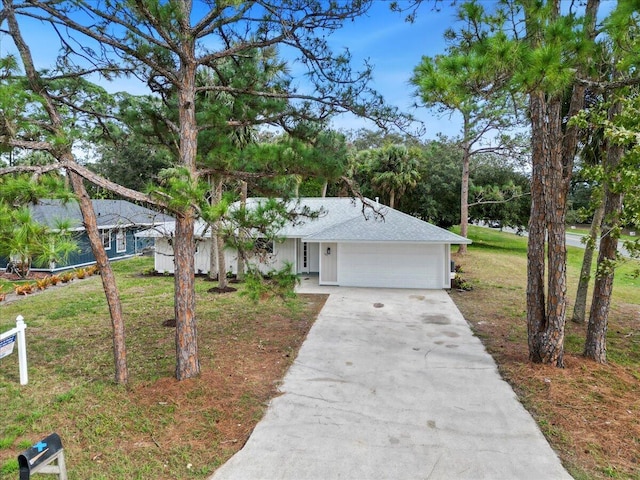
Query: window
[
  {"x": 305, "y": 254},
  {"x": 264, "y": 245},
  {"x": 106, "y": 239},
  {"x": 121, "y": 241}
]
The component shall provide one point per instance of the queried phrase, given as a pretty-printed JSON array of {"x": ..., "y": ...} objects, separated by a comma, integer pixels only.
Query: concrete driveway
[{"x": 391, "y": 384}]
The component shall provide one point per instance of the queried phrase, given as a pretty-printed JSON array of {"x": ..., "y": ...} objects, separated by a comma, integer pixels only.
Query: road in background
[{"x": 573, "y": 239}]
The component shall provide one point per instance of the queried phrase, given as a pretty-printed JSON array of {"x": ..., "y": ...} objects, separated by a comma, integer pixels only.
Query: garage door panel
[{"x": 391, "y": 265}]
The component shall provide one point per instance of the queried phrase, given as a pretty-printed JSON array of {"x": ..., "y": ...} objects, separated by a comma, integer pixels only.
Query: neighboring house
[
  {"x": 118, "y": 221},
  {"x": 347, "y": 245}
]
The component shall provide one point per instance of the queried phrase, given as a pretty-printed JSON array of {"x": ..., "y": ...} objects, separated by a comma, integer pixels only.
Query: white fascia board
[{"x": 390, "y": 242}]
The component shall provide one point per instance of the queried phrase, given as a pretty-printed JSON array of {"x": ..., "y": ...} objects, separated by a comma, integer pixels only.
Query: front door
[{"x": 308, "y": 257}]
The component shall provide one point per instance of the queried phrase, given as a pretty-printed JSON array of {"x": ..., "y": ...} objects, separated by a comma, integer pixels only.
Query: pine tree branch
[{"x": 498, "y": 202}]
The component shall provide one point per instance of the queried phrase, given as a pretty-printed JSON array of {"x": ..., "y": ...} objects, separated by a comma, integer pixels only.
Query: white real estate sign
[
  {"x": 7, "y": 344},
  {"x": 8, "y": 341}
]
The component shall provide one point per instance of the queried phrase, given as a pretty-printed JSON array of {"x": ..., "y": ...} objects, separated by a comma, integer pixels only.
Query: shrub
[
  {"x": 460, "y": 283},
  {"x": 285, "y": 282},
  {"x": 151, "y": 271},
  {"x": 280, "y": 283},
  {"x": 55, "y": 279},
  {"x": 23, "y": 289},
  {"x": 66, "y": 277},
  {"x": 256, "y": 285},
  {"x": 43, "y": 283},
  {"x": 92, "y": 270}
]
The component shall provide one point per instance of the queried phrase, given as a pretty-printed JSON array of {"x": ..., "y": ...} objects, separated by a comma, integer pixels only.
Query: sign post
[
  {"x": 39, "y": 458},
  {"x": 8, "y": 341}
]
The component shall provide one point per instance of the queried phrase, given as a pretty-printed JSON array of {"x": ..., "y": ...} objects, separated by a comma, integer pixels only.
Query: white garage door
[{"x": 391, "y": 265}]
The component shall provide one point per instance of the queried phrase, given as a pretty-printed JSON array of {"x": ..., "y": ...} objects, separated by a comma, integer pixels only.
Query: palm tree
[
  {"x": 394, "y": 170},
  {"x": 26, "y": 241}
]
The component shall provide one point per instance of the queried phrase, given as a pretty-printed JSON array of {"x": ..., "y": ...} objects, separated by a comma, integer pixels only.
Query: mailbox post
[{"x": 40, "y": 457}]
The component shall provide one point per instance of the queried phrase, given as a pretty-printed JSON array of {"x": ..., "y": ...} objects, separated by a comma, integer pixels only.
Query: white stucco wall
[
  {"x": 387, "y": 265},
  {"x": 163, "y": 257},
  {"x": 283, "y": 252}
]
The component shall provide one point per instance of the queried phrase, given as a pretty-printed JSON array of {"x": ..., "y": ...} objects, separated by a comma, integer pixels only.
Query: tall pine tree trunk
[
  {"x": 243, "y": 203},
  {"x": 464, "y": 188},
  {"x": 213, "y": 250},
  {"x": 536, "y": 316},
  {"x": 553, "y": 152},
  {"x": 556, "y": 204},
  {"x": 86, "y": 206},
  {"x": 222, "y": 265},
  {"x": 187, "y": 361},
  {"x": 547, "y": 334},
  {"x": 106, "y": 274},
  {"x": 213, "y": 255},
  {"x": 580, "y": 307},
  {"x": 595, "y": 346},
  {"x": 325, "y": 186}
]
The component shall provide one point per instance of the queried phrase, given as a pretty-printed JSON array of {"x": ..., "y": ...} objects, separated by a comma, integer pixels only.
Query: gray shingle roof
[
  {"x": 346, "y": 220},
  {"x": 352, "y": 220},
  {"x": 109, "y": 213}
]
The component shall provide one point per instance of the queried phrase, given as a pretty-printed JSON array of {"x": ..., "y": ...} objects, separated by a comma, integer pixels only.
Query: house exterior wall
[
  {"x": 383, "y": 265},
  {"x": 329, "y": 257},
  {"x": 85, "y": 256},
  {"x": 202, "y": 257},
  {"x": 283, "y": 252},
  {"x": 163, "y": 256}
]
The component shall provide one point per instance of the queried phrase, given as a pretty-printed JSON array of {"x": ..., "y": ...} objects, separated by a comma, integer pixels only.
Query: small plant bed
[
  {"x": 156, "y": 428},
  {"x": 458, "y": 282},
  {"x": 14, "y": 277},
  {"x": 35, "y": 282}
]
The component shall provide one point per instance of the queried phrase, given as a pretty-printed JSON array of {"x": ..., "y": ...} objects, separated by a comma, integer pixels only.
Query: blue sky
[{"x": 393, "y": 46}]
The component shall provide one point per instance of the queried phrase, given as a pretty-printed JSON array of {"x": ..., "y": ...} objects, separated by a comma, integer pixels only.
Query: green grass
[
  {"x": 501, "y": 243},
  {"x": 582, "y": 230},
  {"x": 496, "y": 241},
  {"x": 109, "y": 430},
  {"x": 509, "y": 252}
]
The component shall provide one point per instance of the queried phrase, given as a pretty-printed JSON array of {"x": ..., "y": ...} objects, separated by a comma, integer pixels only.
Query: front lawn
[{"x": 156, "y": 428}]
